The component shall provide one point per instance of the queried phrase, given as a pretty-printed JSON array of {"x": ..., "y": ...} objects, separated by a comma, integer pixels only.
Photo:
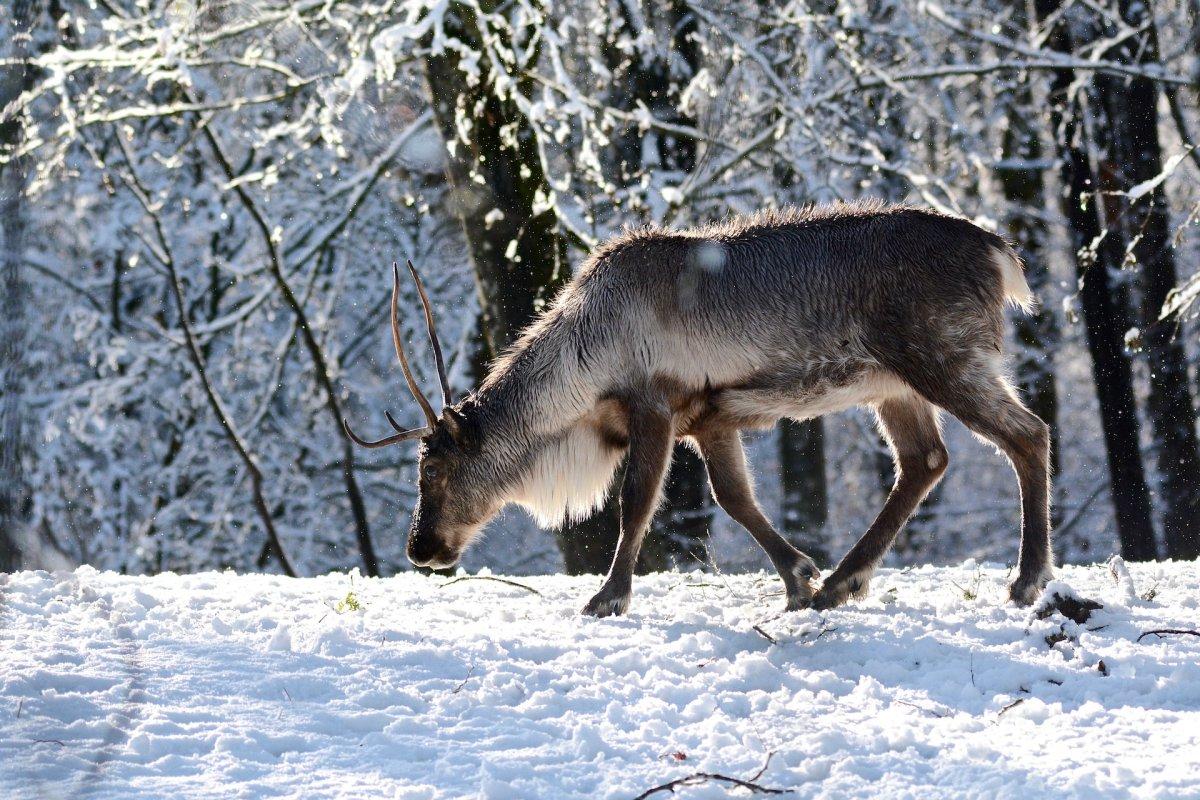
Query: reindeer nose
[
  {"x": 420, "y": 553},
  {"x": 440, "y": 560},
  {"x": 423, "y": 552}
]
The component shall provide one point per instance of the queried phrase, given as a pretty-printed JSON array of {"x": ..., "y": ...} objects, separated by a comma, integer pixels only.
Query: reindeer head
[{"x": 456, "y": 495}]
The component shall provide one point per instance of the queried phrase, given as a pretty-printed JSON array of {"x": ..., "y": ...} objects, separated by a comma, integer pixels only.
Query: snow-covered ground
[{"x": 245, "y": 686}]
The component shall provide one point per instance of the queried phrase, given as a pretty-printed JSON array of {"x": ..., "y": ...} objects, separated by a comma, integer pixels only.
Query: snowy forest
[
  {"x": 205, "y": 585},
  {"x": 202, "y": 201}
]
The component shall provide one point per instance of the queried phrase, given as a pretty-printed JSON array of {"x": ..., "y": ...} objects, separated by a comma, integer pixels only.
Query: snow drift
[{"x": 224, "y": 685}]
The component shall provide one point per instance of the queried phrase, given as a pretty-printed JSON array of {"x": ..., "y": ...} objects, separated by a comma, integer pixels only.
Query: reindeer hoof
[
  {"x": 798, "y": 583},
  {"x": 1024, "y": 591},
  {"x": 806, "y": 569},
  {"x": 608, "y": 602},
  {"x": 799, "y": 602},
  {"x": 837, "y": 590}
]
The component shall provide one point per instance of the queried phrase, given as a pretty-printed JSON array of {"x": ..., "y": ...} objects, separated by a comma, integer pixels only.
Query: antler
[
  {"x": 433, "y": 337},
  {"x": 401, "y": 434},
  {"x": 430, "y": 417}
]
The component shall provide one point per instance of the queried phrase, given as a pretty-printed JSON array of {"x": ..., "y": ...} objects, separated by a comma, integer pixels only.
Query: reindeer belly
[{"x": 768, "y": 397}]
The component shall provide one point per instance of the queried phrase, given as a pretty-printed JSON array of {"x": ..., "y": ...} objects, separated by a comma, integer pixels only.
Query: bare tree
[
  {"x": 1105, "y": 313},
  {"x": 1132, "y": 156},
  {"x": 14, "y": 78},
  {"x": 165, "y": 254},
  {"x": 1021, "y": 179},
  {"x": 320, "y": 361}
]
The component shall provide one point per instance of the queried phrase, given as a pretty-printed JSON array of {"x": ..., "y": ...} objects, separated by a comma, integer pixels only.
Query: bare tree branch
[
  {"x": 137, "y": 188},
  {"x": 698, "y": 778},
  {"x": 316, "y": 354},
  {"x": 1161, "y": 632}
]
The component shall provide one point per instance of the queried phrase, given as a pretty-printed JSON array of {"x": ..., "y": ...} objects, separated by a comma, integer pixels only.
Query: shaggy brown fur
[{"x": 695, "y": 335}]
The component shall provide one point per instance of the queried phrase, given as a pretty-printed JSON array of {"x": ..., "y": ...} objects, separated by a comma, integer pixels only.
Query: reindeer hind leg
[
  {"x": 981, "y": 397},
  {"x": 910, "y": 425}
]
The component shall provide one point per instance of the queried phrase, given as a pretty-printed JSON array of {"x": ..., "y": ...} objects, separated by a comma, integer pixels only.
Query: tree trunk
[
  {"x": 13, "y": 490},
  {"x": 679, "y": 533},
  {"x": 1037, "y": 334},
  {"x": 1135, "y": 156},
  {"x": 683, "y": 526},
  {"x": 1105, "y": 315},
  {"x": 804, "y": 495},
  {"x": 519, "y": 258},
  {"x": 804, "y": 502},
  {"x": 496, "y": 179}
]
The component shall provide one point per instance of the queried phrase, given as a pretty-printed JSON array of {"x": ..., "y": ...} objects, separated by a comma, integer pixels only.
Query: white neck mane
[
  {"x": 542, "y": 392},
  {"x": 569, "y": 479}
]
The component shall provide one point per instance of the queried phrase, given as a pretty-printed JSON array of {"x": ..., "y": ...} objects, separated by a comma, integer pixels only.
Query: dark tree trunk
[
  {"x": 520, "y": 263},
  {"x": 587, "y": 546},
  {"x": 13, "y": 490},
  {"x": 520, "y": 259},
  {"x": 679, "y": 533},
  {"x": 1105, "y": 315},
  {"x": 1037, "y": 334},
  {"x": 678, "y": 536},
  {"x": 683, "y": 526},
  {"x": 804, "y": 503},
  {"x": 1135, "y": 156}
]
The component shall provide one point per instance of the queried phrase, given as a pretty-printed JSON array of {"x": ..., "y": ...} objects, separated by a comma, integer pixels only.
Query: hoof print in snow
[{"x": 1077, "y": 609}]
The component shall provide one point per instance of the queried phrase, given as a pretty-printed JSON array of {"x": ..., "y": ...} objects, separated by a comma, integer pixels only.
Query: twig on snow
[
  {"x": 764, "y": 634},
  {"x": 824, "y": 630},
  {"x": 459, "y": 688},
  {"x": 934, "y": 711},
  {"x": 1011, "y": 706},
  {"x": 697, "y": 778},
  {"x": 1161, "y": 632},
  {"x": 453, "y": 581}
]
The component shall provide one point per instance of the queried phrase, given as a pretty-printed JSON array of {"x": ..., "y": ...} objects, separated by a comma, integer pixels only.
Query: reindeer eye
[{"x": 430, "y": 472}]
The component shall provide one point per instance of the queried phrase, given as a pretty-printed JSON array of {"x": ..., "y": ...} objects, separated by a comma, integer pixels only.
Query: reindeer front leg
[{"x": 650, "y": 438}]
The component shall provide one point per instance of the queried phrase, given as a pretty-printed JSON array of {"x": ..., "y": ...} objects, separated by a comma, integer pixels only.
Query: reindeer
[{"x": 697, "y": 335}]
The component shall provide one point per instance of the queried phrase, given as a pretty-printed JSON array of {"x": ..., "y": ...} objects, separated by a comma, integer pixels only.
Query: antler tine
[
  {"x": 400, "y": 436},
  {"x": 433, "y": 337},
  {"x": 408, "y": 376}
]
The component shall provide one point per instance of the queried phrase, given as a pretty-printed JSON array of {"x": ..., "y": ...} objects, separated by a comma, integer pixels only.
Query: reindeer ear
[{"x": 456, "y": 423}]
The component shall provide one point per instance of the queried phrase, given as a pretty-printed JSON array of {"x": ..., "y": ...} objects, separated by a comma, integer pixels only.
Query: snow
[
  {"x": 1145, "y": 187},
  {"x": 248, "y": 686}
]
